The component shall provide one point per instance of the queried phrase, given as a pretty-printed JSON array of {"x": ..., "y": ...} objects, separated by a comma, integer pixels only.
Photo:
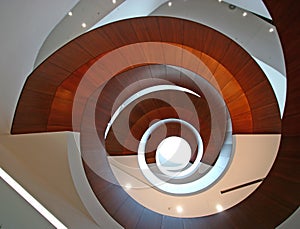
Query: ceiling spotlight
[
  {"x": 83, "y": 25},
  {"x": 219, "y": 207},
  {"x": 128, "y": 186},
  {"x": 219, "y": 0},
  {"x": 169, "y": 4},
  {"x": 179, "y": 209},
  {"x": 70, "y": 13},
  {"x": 271, "y": 30},
  {"x": 244, "y": 14},
  {"x": 114, "y": 1}
]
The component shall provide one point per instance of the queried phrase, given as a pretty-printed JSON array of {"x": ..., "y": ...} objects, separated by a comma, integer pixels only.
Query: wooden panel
[
  {"x": 266, "y": 118},
  {"x": 192, "y": 223},
  {"x": 70, "y": 57},
  {"x": 234, "y": 96},
  {"x": 123, "y": 34},
  {"x": 149, "y": 220},
  {"x": 113, "y": 198},
  {"x": 146, "y": 29},
  {"x": 34, "y": 104},
  {"x": 39, "y": 104},
  {"x": 166, "y": 30},
  {"x": 129, "y": 220},
  {"x": 249, "y": 75},
  {"x": 92, "y": 42},
  {"x": 80, "y": 51},
  {"x": 93, "y": 179},
  {"x": 172, "y": 222},
  {"x": 277, "y": 197},
  {"x": 236, "y": 53},
  {"x": 193, "y": 32}
]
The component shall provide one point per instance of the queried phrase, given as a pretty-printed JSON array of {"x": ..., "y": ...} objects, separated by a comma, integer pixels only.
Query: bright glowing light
[
  {"x": 128, "y": 186},
  {"x": 173, "y": 153},
  {"x": 271, "y": 30},
  {"x": 114, "y": 1},
  {"x": 179, "y": 209},
  {"x": 219, "y": 0},
  {"x": 30, "y": 199},
  {"x": 83, "y": 25},
  {"x": 169, "y": 4},
  {"x": 70, "y": 13},
  {"x": 244, "y": 14},
  {"x": 219, "y": 207}
]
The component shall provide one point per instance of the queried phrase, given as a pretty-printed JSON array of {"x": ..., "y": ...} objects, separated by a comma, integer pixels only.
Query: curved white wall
[{"x": 24, "y": 26}]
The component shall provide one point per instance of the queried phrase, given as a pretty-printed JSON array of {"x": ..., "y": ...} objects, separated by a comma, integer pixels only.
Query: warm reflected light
[
  {"x": 219, "y": 207},
  {"x": 70, "y": 13},
  {"x": 30, "y": 199},
  {"x": 271, "y": 30},
  {"x": 244, "y": 14},
  {"x": 179, "y": 209},
  {"x": 169, "y": 4},
  {"x": 83, "y": 25}
]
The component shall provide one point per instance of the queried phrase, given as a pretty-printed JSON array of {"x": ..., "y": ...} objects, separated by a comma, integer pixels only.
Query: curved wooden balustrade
[
  {"x": 46, "y": 100},
  {"x": 144, "y": 111},
  {"x": 266, "y": 208},
  {"x": 273, "y": 201}
]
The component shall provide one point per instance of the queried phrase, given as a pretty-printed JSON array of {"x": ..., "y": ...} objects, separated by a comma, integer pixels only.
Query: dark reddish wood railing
[{"x": 273, "y": 201}]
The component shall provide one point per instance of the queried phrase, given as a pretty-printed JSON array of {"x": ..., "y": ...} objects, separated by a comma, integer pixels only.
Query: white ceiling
[{"x": 255, "y": 6}]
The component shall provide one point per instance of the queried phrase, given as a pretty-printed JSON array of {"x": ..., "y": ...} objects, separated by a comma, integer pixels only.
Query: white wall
[
  {"x": 24, "y": 26},
  {"x": 15, "y": 212},
  {"x": 40, "y": 163}
]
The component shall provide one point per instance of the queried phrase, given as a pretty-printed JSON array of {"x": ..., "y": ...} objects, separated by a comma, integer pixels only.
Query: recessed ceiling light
[
  {"x": 219, "y": 0},
  {"x": 70, "y": 13},
  {"x": 31, "y": 200},
  {"x": 179, "y": 209},
  {"x": 271, "y": 30},
  {"x": 244, "y": 14},
  {"x": 219, "y": 207},
  {"x": 128, "y": 186},
  {"x": 169, "y": 4},
  {"x": 114, "y": 1},
  {"x": 83, "y": 25}
]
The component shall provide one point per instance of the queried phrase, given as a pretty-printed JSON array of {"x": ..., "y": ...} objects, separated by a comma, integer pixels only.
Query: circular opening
[{"x": 173, "y": 153}]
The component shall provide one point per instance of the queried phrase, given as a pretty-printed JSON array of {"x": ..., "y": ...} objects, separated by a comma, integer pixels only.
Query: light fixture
[
  {"x": 31, "y": 200},
  {"x": 271, "y": 30},
  {"x": 128, "y": 186},
  {"x": 173, "y": 153},
  {"x": 70, "y": 13},
  {"x": 244, "y": 14},
  {"x": 179, "y": 209},
  {"x": 114, "y": 1},
  {"x": 169, "y": 4},
  {"x": 83, "y": 25},
  {"x": 219, "y": 0},
  {"x": 219, "y": 207}
]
